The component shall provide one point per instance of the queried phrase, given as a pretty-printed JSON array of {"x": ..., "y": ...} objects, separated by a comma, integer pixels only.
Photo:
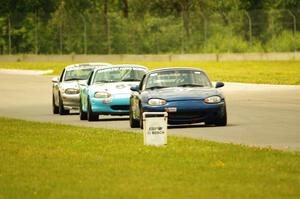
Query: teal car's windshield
[
  {"x": 177, "y": 78},
  {"x": 77, "y": 74},
  {"x": 119, "y": 74}
]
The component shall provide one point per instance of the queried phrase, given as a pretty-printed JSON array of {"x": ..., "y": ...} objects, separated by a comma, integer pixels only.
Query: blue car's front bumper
[
  {"x": 115, "y": 105},
  {"x": 188, "y": 112}
]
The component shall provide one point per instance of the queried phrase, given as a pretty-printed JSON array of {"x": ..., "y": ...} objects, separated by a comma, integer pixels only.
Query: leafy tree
[{"x": 143, "y": 26}]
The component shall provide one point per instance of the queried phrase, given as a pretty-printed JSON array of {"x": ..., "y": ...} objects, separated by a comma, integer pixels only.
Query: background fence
[
  {"x": 204, "y": 32},
  {"x": 288, "y": 56}
]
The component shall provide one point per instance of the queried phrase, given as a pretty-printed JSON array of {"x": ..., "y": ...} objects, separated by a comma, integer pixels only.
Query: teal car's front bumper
[{"x": 117, "y": 104}]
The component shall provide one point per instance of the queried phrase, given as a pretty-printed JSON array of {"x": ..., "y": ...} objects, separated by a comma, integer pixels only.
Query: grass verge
[
  {"x": 262, "y": 72},
  {"x": 43, "y": 160}
]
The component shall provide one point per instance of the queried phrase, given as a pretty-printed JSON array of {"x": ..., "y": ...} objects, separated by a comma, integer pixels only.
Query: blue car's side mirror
[
  {"x": 135, "y": 88},
  {"x": 219, "y": 84}
]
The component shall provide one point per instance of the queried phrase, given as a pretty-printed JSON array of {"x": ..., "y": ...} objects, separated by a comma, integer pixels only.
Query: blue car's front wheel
[
  {"x": 133, "y": 122},
  {"x": 222, "y": 121},
  {"x": 141, "y": 118}
]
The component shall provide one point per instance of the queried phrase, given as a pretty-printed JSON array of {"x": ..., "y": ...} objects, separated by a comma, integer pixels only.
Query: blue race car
[
  {"x": 107, "y": 90},
  {"x": 185, "y": 93}
]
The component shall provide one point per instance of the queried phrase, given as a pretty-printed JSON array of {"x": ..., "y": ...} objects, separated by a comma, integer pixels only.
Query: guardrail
[{"x": 155, "y": 58}]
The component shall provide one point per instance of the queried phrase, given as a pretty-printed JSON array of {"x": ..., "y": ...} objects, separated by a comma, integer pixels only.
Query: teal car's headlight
[
  {"x": 72, "y": 91},
  {"x": 213, "y": 100},
  {"x": 157, "y": 102},
  {"x": 102, "y": 95}
]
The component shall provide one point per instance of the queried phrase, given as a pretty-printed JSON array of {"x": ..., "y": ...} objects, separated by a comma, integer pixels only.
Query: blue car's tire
[
  {"x": 55, "y": 109},
  {"x": 222, "y": 121},
  {"x": 90, "y": 115},
  {"x": 61, "y": 109},
  {"x": 133, "y": 122},
  {"x": 82, "y": 114},
  {"x": 141, "y": 119}
]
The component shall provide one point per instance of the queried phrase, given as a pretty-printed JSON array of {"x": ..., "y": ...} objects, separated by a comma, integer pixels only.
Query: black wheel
[
  {"x": 61, "y": 109},
  {"x": 222, "y": 121},
  {"x": 90, "y": 115},
  {"x": 82, "y": 115},
  {"x": 133, "y": 122},
  {"x": 55, "y": 108},
  {"x": 141, "y": 119}
]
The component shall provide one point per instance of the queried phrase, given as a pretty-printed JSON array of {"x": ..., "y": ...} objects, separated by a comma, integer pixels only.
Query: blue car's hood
[{"x": 181, "y": 93}]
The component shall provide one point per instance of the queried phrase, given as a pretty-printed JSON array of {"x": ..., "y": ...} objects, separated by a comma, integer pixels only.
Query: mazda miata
[
  {"x": 186, "y": 94},
  {"x": 107, "y": 90},
  {"x": 65, "y": 89}
]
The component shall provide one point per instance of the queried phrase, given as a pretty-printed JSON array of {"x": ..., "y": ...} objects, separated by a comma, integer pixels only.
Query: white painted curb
[{"x": 25, "y": 72}]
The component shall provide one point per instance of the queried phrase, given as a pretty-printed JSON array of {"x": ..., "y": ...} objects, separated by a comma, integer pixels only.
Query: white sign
[{"x": 155, "y": 128}]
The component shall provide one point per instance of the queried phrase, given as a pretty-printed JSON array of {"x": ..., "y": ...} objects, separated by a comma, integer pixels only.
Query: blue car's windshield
[
  {"x": 77, "y": 74},
  {"x": 118, "y": 74},
  {"x": 177, "y": 78}
]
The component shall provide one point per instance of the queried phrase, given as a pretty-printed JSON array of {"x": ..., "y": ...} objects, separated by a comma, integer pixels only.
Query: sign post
[{"x": 155, "y": 128}]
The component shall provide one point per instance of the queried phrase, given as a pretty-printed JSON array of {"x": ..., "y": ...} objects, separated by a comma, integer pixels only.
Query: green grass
[
  {"x": 44, "y": 160},
  {"x": 262, "y": 72}
]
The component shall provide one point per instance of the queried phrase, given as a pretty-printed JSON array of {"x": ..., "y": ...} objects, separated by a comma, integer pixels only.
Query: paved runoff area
[{"x": 258, "y": 115}]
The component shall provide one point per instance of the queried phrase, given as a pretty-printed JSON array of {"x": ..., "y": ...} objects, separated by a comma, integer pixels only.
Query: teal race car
[{"x": 107, "y": 90}]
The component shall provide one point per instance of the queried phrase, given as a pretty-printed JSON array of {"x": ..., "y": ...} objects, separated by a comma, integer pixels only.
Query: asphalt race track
[{"x": 260, "y": 115}]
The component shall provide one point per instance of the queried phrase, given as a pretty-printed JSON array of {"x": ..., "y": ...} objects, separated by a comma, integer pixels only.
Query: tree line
[{"x": 148, "y": 26}]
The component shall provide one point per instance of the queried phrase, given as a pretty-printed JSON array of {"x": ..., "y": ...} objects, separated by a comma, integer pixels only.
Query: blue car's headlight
[
  {"x": 102, "y": 95},
  {"x": 213, "y": 100},
  {"x": 157, "y": 102}
]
